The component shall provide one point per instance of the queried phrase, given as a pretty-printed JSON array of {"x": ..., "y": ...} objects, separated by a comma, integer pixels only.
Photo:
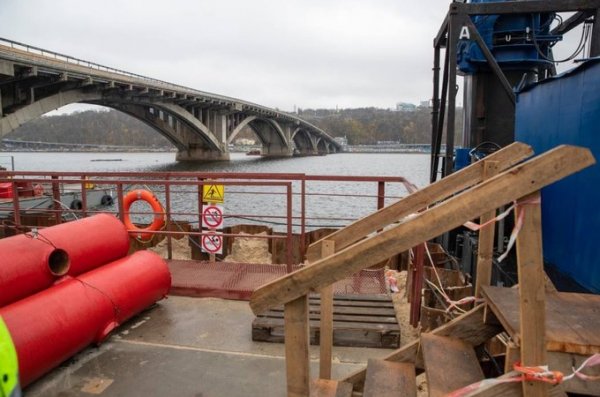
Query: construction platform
[{"x": 186, "y": 347}]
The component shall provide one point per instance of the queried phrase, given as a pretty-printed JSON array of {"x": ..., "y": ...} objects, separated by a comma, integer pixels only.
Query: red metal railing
[{"x": 181, "y": 193}]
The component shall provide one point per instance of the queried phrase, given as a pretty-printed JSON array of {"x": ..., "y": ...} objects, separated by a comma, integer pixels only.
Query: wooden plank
[
  {"x": 296, "y": 348},
  {"x": 344, "y": 334},
  {"x": 532, "y": 289},
  {"x": 564, "y": 362},
  {"x": 440, "y": 190},
  {"x": 388, "y": 318},
  {"x": 469, "y": 327},
  {"x": 326, "y": 330},
  {"x": 485, "y": 252},
  {"x": 330, "y": 388},
  {"x": 388, "y": 379},
  {"x": 510, "y": 185},
  {"x": 513, "y": 355},
  {"x": 572, "y": 319},
  {"x": 450, "y": 364}
]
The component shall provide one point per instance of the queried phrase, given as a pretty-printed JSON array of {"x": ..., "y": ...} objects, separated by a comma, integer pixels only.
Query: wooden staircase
[
  {"x": 450, "y": 364},
  {"x": 446, "y": 354}
]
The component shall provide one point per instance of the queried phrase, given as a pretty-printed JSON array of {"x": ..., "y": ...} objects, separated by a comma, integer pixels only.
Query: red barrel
[
  {"x": 49, "y": 327},
  {"x": 30, "y": 264}
]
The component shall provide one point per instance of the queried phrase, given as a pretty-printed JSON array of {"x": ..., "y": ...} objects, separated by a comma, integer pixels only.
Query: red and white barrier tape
[{"x": 535, "y": 374}]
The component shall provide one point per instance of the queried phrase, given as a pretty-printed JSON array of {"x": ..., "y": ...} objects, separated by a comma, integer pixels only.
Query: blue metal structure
[
  {"x": 566, "y": 110},
  {"x": 517, "y": 41}
]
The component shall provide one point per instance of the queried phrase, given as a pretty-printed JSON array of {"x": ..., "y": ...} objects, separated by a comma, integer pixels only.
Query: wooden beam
[
  {"x": 440, "y": 190},
  {"x": 469, "y": 327},
  {"x": 485, "y": 251},
  {"x": 532, "y": 293},
  {"x": 296, "y": 347},
  {"x": 510, "y": 185},
  {"x": 326, "y": 328}
]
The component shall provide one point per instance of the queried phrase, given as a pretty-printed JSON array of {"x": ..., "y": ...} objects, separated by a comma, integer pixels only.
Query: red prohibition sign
[
  {"x": 212, "y": 216},
  {"x": 212, "y": 243}
]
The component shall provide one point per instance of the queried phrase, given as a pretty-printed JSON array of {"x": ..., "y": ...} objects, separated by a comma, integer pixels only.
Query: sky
[{"x": 282, "y": 54}]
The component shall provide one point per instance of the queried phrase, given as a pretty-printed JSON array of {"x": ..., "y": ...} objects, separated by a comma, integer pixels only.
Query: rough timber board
[
  {"x": 359, "y": 321},
  {"x": 469, "y": 327},
  {"x": 388, "y": 379},
  {"x": 450, "y": 364},
  {"x": 330, "y": 388},
  {"x": 572, "y": 319}
]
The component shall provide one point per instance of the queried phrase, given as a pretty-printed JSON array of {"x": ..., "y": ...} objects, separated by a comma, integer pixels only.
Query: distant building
[
  {"x": 245, "y": 142},
  {"x": 406, "y": 107},
  {"x": 425, "y": 104},
  {"x": 341, "y": 140}
]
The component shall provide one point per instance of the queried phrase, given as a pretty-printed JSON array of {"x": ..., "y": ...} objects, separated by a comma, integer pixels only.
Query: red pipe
[
  {"x": 30, "y": 264},
  {"x": 49, "y": 327}
]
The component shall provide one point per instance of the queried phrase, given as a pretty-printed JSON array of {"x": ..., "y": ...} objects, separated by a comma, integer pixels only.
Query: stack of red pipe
[{"x": 68, "y": 286}]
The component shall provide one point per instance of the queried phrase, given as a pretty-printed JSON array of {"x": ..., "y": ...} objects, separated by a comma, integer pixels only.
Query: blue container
[
  {"x": 462, "y": 158},
  {"x": 566, "y": 110}
]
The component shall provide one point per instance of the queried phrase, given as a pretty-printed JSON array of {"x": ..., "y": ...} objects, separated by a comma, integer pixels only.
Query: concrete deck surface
[{"x": 199, "y": 347}]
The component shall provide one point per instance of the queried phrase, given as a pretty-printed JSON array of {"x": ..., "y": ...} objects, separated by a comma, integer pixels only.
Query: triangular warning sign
[{"x": 213, "y": 193}]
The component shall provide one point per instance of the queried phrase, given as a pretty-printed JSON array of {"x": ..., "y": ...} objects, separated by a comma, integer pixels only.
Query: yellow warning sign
[{"x": 213, "y": 193}]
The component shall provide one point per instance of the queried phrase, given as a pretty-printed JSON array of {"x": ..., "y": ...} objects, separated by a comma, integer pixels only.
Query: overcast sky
[{"x": 286, "y": 53}]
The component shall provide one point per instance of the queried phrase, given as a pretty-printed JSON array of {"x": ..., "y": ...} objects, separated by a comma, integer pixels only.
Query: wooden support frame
[
  {"x": 297, "y": 343},
  {"x": 532, "y": 290},
  {"x": 486, "y": 237},
  {"x": 440, "y": 190},
  {"x": 326, "y": 327},
  {"x": 510, "y": 185}
]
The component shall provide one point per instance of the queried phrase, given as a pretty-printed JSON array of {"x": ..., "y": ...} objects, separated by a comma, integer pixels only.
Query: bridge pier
[
  {"x": 276, "y": 151},
  {"x": 201, "y": 154}
]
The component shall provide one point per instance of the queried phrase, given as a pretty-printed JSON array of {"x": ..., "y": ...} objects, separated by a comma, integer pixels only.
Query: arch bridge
[{"x": 34, "y": 81}]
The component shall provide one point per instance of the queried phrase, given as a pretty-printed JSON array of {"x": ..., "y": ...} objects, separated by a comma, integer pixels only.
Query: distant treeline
[
  {"x": 90, "y": 127},
  {"x": 365, "y": 126},
  {"x": 361, "y": 126}
]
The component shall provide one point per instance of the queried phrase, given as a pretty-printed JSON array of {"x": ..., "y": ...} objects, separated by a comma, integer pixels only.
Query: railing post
[
  {"x": 297, "y": 341},
  {"x": 83, "y": 196},
  {"x": 56, "y": 197},
  {"x": 532, "y": 294},
  {"x": 289, "y": 234},
  {"x": 380, "y": 194},
  {"x": 326, "y": 326},
  {"x": 486, "y": 237},
  {"x": 417, "y": 284},
  {"x": 168, "y": 208}
]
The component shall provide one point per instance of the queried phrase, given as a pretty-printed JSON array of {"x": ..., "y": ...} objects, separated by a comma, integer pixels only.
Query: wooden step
[
  {"x": 450, "y": 364},
  {"x": 330, "y": 388},
  {"x": 386, "y": 378}
]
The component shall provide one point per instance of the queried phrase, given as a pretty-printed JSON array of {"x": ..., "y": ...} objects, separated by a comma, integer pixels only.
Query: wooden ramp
[
  {"x": 387, "y": 379},
  {"x": 450, "y": 364},
  {"x": 358, "y": 320},
  {"x": 572, "y": 320}
]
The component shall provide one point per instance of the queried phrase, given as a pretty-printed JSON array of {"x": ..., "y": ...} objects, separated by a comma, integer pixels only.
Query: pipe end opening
[{"x": 58, "y": 262}]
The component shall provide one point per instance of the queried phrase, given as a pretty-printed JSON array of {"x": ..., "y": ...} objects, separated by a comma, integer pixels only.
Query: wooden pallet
[{"x": 358, "y": 320}]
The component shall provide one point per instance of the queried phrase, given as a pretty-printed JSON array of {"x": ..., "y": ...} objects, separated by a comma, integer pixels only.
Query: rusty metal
[{"x": 417, "y": 284}]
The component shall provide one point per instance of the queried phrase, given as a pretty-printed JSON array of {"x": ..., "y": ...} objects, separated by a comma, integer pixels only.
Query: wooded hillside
[{"x": 360, "y": 126}]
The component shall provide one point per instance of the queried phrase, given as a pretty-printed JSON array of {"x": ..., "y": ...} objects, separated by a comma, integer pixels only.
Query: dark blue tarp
[{"x": 566, "y": 110}]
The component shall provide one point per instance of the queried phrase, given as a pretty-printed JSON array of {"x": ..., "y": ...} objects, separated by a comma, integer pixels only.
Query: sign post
[{"x": 212, "y": 219}]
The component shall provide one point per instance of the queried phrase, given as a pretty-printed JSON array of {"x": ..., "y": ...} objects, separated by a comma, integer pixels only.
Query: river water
[{"x": 321, "y": 210}]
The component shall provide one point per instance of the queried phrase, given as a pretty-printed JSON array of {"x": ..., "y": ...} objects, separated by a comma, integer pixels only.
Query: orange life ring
[{"x": 157, "y": 209}]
